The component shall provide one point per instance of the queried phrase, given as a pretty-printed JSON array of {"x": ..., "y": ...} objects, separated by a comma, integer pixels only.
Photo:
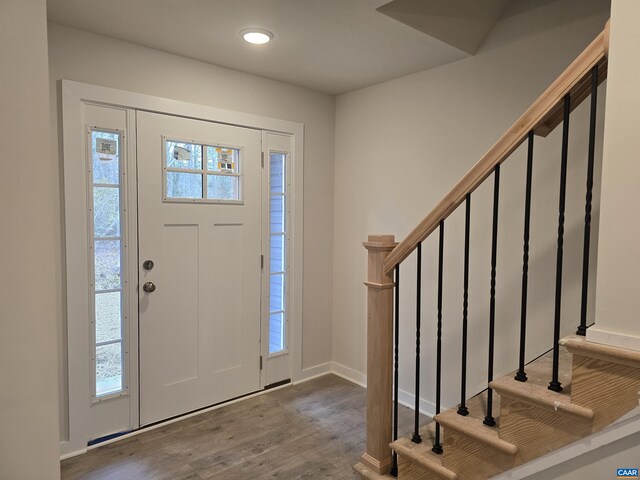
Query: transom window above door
[{"x": 201, "y": 172}]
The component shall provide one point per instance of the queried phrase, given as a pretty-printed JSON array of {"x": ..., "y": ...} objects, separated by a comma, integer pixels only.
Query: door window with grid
[{"x": 201, "y": 173}]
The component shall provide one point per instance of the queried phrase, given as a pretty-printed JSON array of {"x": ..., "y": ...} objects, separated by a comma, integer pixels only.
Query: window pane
[
  {"x": 277, "y": 254},
  {"x": 277, "y": 227},
  {"x": 108, "y": 317},
  {"x": 184, "y": 155},
  {"x": 223, "y": 159},
  {"x": 276, "y": 292},
  {"x": 277, "y": 172},
  {"x": 276, "y": 332},
  {"x": 223, "y": 187},
  {"x": 106, "y": 168},
  {"x": 184, "y": 185},
  {"x": 107, "y": 264},
  {"x": 108, "y": 368},
  {"x": 277, "y": 214},
  {"x": 106, "y": 211}
]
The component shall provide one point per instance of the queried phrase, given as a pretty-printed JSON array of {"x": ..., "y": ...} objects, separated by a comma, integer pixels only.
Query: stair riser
[
  {"x": 609, "y": 389},
  {"x": 472, "y": 459},
  {"x": 536, "y": 430},
  {"x": 417, "y": 461},
  {"x": 408, "y": 470}
]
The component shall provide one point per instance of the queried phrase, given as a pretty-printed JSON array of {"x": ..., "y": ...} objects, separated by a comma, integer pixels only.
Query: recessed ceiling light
[{"x": 257, "y": 36}]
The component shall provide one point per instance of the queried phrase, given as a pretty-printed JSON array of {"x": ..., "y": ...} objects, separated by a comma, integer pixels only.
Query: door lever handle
[{"x": 149, "y": 287}]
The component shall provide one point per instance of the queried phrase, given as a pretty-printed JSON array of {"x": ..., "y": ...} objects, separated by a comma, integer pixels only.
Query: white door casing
[{"x": 200, "y": 328}]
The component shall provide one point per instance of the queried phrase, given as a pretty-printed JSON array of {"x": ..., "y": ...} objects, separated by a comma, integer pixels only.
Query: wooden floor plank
[{"x": 314, "y": 430}]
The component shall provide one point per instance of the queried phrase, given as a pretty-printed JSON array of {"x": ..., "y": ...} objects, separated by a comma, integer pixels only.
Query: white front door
[{"x": 199, "y": 223}]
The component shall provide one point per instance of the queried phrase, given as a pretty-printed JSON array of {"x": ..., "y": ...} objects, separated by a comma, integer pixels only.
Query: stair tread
[
  {"x": 540, "y": 396},
  {"x": 474, "y": 428},
  {"x": 538, "y": 373},
  {"x": 422, "y": 454},
  {"x": 581, "y": 346}
]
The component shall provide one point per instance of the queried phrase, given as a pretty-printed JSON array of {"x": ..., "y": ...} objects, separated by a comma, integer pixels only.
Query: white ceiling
[{"x": 333, "y": 46}]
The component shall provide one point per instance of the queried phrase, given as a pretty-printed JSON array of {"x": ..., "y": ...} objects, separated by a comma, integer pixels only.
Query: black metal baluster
[
  {"x": 437, "y": 447},
  {"x": 521, "y": 375},
  {"x": 396, "y": 364},
  {"x": 488, "y": 419},
  {"x": 462, "y": 409},
  {"x": 554, "y": 384},
  {"x": 416, "y": 432},
  {"x": 582, "y": 328}
]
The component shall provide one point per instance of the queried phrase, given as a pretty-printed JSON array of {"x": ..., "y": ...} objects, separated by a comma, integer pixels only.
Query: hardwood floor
[{"x": 314, "y": 430}]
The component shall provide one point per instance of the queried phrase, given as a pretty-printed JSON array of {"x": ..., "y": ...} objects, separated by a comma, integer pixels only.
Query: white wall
[
  {"x": 28, "y": 239},
  {"x": 618, "y": 279},
  {"x": 99, "y": 60},
  {"x": 402, "y": 145}
]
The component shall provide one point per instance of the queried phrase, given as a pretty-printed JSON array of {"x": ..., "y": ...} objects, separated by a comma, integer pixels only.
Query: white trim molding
[
  {"x": 615, "y": 339},
  {"x": 350, "y": 374},
  {"x": 407, "y": 399},
  {"x": 312, "y": 372}
]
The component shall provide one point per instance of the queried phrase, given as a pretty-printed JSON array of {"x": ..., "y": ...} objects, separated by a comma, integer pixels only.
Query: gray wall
[{"x": 29, "y": 230}]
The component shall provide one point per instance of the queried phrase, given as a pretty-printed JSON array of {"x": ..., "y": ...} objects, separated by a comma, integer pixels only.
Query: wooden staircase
[
  {"x": 519, "y": 417},
  {"x": 602, "y": 383}
]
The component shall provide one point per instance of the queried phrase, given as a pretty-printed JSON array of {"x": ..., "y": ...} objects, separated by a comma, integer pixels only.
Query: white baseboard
[
  {"x": 71, "y": 454},
  {"x": 312, "y": 372},
  {"x": 614, "y": 339},
  {"x": 337, "y": 369},
  {"x": 409, "y": 400},
  {"x": 350, "y": 374}
]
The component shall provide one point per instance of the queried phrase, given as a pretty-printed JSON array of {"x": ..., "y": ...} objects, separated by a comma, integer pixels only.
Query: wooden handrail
[{"x": 541, "y": 117}]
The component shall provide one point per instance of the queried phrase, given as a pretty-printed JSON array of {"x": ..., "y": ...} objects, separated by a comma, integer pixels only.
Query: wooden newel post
[{"x": 377, "y": 455}]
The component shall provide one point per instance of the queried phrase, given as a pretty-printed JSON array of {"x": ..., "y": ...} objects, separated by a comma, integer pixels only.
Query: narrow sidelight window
[
  {"x": 278, "y": 252},
  {"x": 107, "y": 259}
]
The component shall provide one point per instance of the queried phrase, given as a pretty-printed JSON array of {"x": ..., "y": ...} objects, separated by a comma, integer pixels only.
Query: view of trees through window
[
  {"x": 107, "y": 261},
  {"x": 187, "y": 176}
]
